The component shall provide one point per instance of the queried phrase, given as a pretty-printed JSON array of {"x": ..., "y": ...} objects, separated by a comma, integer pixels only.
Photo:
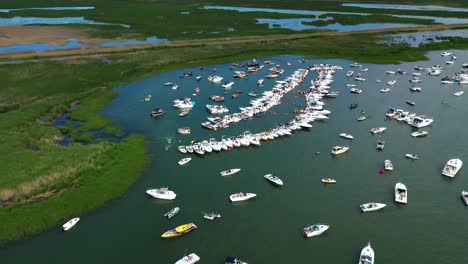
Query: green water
[{"x": 431, "y": 228}]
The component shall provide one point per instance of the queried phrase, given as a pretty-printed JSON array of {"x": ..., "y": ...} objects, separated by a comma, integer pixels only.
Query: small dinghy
[
  {"x": 211, "y": 216},
  {"x": 273, "y": 179},
  {"x": 380, "y": 145},
  {"x": 315, "y": 230},
  {"x": 172, "y": 212},
  {"x": 347, "y": 136},
  {"x": 189, "y": 259},
  {"x": 412, "y": 156},
  {"x": 460, "y": 93},
  {"x": 230, "y": 172},
  {"x": 464, "y": 196},
  {"x": 184, "y": 161},
  {"x": 388, "y": 165},
  {"x": 361, "y": 118},
  {"x": 401, "y": 194},
  {"x": 419, "y": 133},
  {"x": 238, "y": 197},
  {"x": 377, "y": 130},
  {"x": 370, "y": 207},
  {"x": 71, "y": 223},
  {"x": 411, "y": 103},
  {"x": 328, "y": 180}
]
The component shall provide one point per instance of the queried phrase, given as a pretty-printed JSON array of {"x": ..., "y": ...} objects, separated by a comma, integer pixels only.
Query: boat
[
  {"x": 450, "y": 62},
  {"x": 180, "y": 230},
  {"x": 419, "y": 68},
  {"x": 385, "y": 90},
  {"x": 315, "y": 230},
  {"x": 206, "y": 146},
  {"x": 464, "y": 196},
  {"x": 459, "y": 93},
  {"x": 211, "y": 216},
  {"x": 355, "y": 90},
  {"x": 198, "y": 78},
  {"x": 401, "y": 193},
  {"x": 162, "y": 193},
  {"x": 452, "y": 167},
  {"x": 392, "y": 82},
  {"x": 172, "y": 212},
  {"x": 182, "y": 149},
  {"x": 184, "y": 113},
  {"x": 273, "y": 179},
  {"x": 370, "y": 207},
  {"x": 184, "y": 130},
  {"x": 419, "y": 121},
  {"x": 361, "y": 118},
  {"x": 189, "y": 259},
  {"x": 411, "y": 103},
  {"x": 238, "y": 197},
  {"x": 233, "y": 260},
  {"x": 215, "y": 79},
  {"x": 189, "y": 149},
  {"x": 412, "y": 156},
  {"x": 260, "y": 82},
  {"x": 353, "y": 105},
  {"x": 157, "y": 112},
  {"x": 230, "y": 172},
  {"x": 184, "y": 161},
  {"x": 390, "y": 72},
  {"x": 380, "y": 145},
  {"x": 148, "y": 98},
  {"x": 445, "y": 53},
  {"x": 228, "y": 85},
  {"x": 367, "y": 255},
  {"x": 339, "y": 150},
  {"x": 253, "y": 94},
  {"x": 71, "y": 223},
  {"x": 415, "y": 89},
  {"x": 347, "y": 136},
  {"x": 419, "y": 133},
  {"x": 377, "y": 130},
  {"x": 361, "y": 79},
  {"x": 355, "y": 64},
  {"x": 328, "y": 180},
  {"x": 378, "y": 81},
  {"x": 388, "y": 165}
]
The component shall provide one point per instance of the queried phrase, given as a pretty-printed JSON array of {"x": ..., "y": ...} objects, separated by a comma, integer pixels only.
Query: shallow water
[
  {"x": 56, "y": 8},
  {"x": 415, "y": 39},
  {"x": 128, "y": 230},
  {"x": 20, "y": 21},
  {"x": 407, "y": 7}
]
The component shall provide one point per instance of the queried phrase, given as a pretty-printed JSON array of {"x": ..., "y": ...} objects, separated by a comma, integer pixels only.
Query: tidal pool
[{"x": 415, "y": 39}]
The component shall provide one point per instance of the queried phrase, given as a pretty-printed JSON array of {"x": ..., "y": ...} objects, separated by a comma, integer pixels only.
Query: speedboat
[
  {"x": 445, "y": 53},
  {"x": 419, "y": 133},
  {"x": 361, "y": 79},
  {"x": 415, "y": 89},
  {"x": 206, "y": 146},
  {"x": 459, "y": 93},
  {"x": 260, "y": 82},
  {"x": 172, "y": 212},
  {"x": 401, "y": 194},
  {"x": 370, "y": 207},
  {"x": 189, "y": 149},
  {"x": 215, "y": 79},
  {"x": 315, "y": 230},
  {"x": 157, "y": 112},
  {"x": 228, "y": 85},
  {"x": 338, "y": 150},
  {"x": 168, "y": 84},
  {"x": 361, "y": 118},
  {"x": 349, "y": 74},
  {"x": 380, "y": 145},
  {"x": 388, "y": 165},
  {"x": 180, "y": 230},
  {"x": 184, "y": 161},
  {"x": 162, "y": 193},
  {"x": 385, "y": 90},
  {"x": 392, "y": 82},
  {"x": 355, "y": 90},
  {"x": 367, "y": 255},
  {"x": 411, "y": 103},
  {"x": 211, "y": 216},
  {"x": 184, "y": 130},
  {"x": 273, "y": 179},
  {"x": 390, "y": 72},
  {"x": 182, "y": 149},
  {"x": 465, "y": 197},
  {"x": 452, "y": 167},
  {"x": 215, "y": 145},
  {"x": 233, "y": 260},
  {"x": 377, "y": 130},
  {"x": 412, "y": 156},
  {"x": 198, "y": 148},
  {"x": 347, "y": 136},
  {"x": 189, "y": 259},
  {"x": 419, "y": 121},
  {"x": 328, "y": 180},
  {"x": 71, "y": 223},
  {"x": 238, "y": 197},
  {"x": 226, "y": 141},
  {"x": 353, "y": 105},
  {"x": 184, "y": 113},
  {"x": 229, "y": 172}
]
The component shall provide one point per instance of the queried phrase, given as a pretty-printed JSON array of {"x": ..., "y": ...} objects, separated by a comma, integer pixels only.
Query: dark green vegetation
[{"x": 41, "y": 176}]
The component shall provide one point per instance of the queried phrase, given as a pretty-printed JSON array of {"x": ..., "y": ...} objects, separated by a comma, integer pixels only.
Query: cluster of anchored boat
[{"x": 412, "y": 119}]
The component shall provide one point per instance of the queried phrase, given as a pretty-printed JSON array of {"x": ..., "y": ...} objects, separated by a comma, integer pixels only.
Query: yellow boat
[
  {"x": 328, "y": 180},
  {"x": 180, "y": 230}
]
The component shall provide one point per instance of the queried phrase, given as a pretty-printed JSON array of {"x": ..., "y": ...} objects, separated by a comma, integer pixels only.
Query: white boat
[
  {"x": 415, "y": 89},
  {"x": 370, "y": 207},
  {"x": 260, "y": 82},
  {"x": 385, "y": 90},
  {"x": 452, "y": 167},
  {"x": 315, "y": 230},
  {"x": 215, "y": 145},
  {"x": 361, "y": 79},
  {"x": 390, "y": 72},
  {"x": 412, "y": 156},
  {"x": 388, "y": 165},
  {"x": 338, "y": 150},
  {"x": 449, "y": 62},
  {"x": 377, "y": 130},
  {"x": 211, "y": 216},
  {"x": 198, "y": 77},
  {"x": 238, "y": 197},
  {"x": 184, "y": 161},
  {"x": 445, "y": 53},
  {"x": 419, "y": 133},
  {"x": 71, "y": 223},
  {"x": 464, "y": 196},
  {"x": 380, "y": 145},
  {"x": 401, "y": 193},
  {"x": 229, "y": 172},
  {"x": 355, "y": 90},
  {"x": 189, "y": 259},
  {"x": 347, "y": 136},
  {"x": 361, "y": 118},
  {"x": 184, "y": 105},
  {"x": 349, "y": 74},
  {"x": 184, "y": 130},
  {"x": 459, "y": 93},
  {"x": 168, "y": 84},
  {"x": 162, "y": 193},
  {"x": 189, "y": 149},
  {"x": 172, "y": 212},
  {"x": 182, "y": 149},
  {"x": 419, "y": 121},
  {"x": 392, "y": 82},
  {"x": 228, "y": 85},
  {"x": 206, "y": 146},
  {"x": 328, "y": 180},
  {"x": 367, "y": 255},
  {"x": 184, "y": 113},
  {"x": 273, "y": 179},
  {"x": 215, "y": 79},
  {"x": 233, "y": 260}
]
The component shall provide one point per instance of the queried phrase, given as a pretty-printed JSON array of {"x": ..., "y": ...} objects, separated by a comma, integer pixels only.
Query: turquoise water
[
  {"x": 407, "y": 7},
  {"x": 430, "y": 229}
]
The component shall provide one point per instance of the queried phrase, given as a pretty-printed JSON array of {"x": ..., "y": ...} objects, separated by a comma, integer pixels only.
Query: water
[
  {"x": 56, "y": 8},
  {"x": 74, "y": 43},
  {"x": 408, "y": 7},
  {"x": 21, "y": 21},
  {"x": 415, "y": 39},
  {"x": 430, "y": 229}
]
